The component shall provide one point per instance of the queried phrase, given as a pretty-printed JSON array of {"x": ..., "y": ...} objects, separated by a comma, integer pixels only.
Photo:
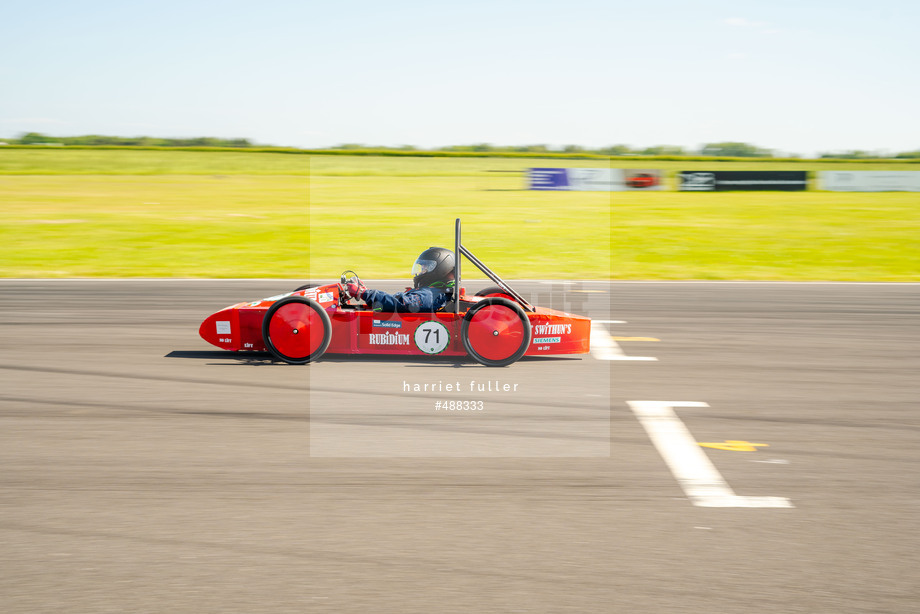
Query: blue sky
[{"x": 799, "y": 77}]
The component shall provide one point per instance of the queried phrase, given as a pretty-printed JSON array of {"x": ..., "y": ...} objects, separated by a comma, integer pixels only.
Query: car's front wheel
[{"x": 296, "y": 330}]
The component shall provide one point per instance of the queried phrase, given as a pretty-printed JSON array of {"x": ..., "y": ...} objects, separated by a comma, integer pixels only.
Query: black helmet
[{"x": 434, "y": 268}]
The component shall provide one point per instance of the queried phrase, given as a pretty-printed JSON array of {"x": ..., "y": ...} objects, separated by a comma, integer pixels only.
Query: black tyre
[
  {"x": 496, "y": 332},
  {"x": 296, "y": 330}
]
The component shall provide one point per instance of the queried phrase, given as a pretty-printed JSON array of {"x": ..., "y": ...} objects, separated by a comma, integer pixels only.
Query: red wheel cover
[
  {"x": 488, "y": 321},
  {"x": 296, "y": 330}
]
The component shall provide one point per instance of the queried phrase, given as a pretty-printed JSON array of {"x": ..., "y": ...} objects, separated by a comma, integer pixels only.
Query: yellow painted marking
[
  {"x": 635, "y": 339},
  {"x": 734, "y": 445}
]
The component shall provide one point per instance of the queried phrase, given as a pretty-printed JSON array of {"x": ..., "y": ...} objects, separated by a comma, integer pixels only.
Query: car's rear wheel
[
  {"x": 296, "y": 330},
  {"x": 496, "y": 332},
  {"x": 496, "y": 291}
]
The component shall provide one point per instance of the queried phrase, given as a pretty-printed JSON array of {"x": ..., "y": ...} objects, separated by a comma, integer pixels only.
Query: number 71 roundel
[{"x": 432, "y": 337}]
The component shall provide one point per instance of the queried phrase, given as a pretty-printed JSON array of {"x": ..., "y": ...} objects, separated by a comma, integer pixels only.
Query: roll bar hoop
[{"x": 459, "y": 250}]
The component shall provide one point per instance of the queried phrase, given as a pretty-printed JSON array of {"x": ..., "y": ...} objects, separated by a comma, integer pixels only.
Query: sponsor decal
[
  {"x": 538, "y": 340},
  {"x": 255, "y": 303},
  {"x": 387, "y": 324},
  {"x": 223, "y": 327},
  {"x": 431, "y": 337},
  {"x": 552, "y": 329},
  {"x": 870, "y": 181},
  {"x": 388, "y": 338},
  {"x": 548, "y": 179},
  {"x": 697, "y": 181},
  {"x": 594, "y": 179},
  {"x": 325, "y": 297}
]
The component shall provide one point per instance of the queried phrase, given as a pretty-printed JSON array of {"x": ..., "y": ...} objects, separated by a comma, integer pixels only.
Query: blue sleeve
[
  {"x": 379, "y": 300},
  {"x": 423, "y": 300}
]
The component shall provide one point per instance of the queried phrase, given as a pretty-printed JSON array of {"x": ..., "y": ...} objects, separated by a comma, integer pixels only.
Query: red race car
[{"x": 496, "y": 327}]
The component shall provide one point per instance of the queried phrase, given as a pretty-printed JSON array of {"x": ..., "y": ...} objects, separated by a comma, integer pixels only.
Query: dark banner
[{"x": 711, "y": 181}]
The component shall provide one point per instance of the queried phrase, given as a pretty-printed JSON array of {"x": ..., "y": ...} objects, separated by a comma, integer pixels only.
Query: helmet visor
[{"x": 423, "y": 266}]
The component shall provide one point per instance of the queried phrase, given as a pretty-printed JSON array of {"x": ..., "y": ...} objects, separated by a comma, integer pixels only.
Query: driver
[{"x": 432, "y": 277}]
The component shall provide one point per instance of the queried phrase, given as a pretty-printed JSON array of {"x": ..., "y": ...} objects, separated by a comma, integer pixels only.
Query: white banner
[
  {"x": 870, "y": 181},
  {"x": 594, "y": 179}
]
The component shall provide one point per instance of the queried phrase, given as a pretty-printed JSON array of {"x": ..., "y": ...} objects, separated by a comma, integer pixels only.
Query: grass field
[
  {"x": 62, "y": 161},
  {"x": 193, "y": 214}
]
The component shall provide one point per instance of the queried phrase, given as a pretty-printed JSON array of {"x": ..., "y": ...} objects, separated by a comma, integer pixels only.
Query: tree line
[
  {"x": 724, "y": 149},
  {"x": 727, "y": 149},
  {"x": 98, "y": 140}
]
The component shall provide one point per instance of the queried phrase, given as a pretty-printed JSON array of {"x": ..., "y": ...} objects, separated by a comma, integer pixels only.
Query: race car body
[{"x": 496, "y": 326}]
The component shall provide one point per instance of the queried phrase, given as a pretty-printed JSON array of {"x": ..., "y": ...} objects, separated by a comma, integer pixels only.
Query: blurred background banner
[
  {"x": 870, "y": 181},
  {"x": 594, "y": 179},
  {"x": 548, "y": 178},
  {"x": 709, "y": 181},
  {"x": 643, "y": 179}
]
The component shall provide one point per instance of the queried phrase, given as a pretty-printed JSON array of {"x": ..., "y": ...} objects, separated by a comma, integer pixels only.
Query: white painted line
[
  {"x": 609, "y": 321},
  {"x": 603, "y": 346},
  {"x": 700, "y": 480}
]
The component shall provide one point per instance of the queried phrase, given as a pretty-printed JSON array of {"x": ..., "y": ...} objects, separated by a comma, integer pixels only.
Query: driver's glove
[{"x": 355, "y": 290}]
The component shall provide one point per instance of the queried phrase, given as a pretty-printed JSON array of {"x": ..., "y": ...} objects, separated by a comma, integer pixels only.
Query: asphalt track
[{"x": 142, "y": 472}]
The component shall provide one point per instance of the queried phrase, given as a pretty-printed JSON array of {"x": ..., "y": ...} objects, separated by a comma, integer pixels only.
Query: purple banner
[{"x": 548, "y": 179}]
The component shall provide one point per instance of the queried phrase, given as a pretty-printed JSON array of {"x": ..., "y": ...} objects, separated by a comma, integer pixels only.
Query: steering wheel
[{"x": 349, "y": 277}]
